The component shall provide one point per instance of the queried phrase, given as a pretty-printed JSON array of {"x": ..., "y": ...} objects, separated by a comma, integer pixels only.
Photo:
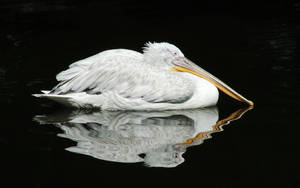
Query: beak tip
[{"x": 250, "y": 103}]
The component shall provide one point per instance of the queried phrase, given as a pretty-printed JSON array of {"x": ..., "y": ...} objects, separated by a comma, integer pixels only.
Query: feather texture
[
  {"x": 121, "y": 79},
  {"x": 125, "y": 73}
]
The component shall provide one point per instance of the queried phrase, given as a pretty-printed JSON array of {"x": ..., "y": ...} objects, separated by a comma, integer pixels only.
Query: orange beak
[{"x": 185, "y": 65}]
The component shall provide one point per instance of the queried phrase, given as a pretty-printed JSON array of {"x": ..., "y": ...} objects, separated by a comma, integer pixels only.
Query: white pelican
[{"x": 160, "y": 78}]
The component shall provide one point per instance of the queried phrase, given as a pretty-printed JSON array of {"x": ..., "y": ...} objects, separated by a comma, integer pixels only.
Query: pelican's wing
[{"x": 124, "y": 72}]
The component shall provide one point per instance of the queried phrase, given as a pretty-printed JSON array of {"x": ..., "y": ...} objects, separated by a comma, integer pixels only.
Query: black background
[{"x": 253, "y": 45}]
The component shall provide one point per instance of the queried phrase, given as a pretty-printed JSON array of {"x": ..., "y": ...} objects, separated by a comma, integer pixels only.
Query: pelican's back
[{"x": 119, "y": 79}]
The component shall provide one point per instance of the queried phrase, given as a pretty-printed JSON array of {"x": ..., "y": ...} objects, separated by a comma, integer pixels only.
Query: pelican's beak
[{"x": 185, "y": 65}]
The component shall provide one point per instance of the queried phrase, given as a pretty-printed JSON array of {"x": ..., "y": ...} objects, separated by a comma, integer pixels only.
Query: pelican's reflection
[{"x": 156, "y": 138}]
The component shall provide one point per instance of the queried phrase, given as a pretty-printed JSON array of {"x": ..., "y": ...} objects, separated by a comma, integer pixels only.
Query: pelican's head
[
  {"x": 170, "y": 57},
  {"x": 162, "y": 54}
]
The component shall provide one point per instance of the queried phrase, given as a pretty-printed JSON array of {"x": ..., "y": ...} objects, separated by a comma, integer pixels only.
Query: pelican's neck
[
  {"x": 205, "y": 94},
  {"x": 158, "y": 61}
]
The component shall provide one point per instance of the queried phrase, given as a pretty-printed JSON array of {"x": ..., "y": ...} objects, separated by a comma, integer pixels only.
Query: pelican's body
[{"x": 160, "y": 78}]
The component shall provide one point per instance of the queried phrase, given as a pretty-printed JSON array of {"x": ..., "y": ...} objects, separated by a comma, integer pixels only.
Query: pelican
[{"x": 160, "y": 78}]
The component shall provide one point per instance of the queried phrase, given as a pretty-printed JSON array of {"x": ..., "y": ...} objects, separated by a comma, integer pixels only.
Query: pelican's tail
[
  {"x": 77, "y": 100},
  {"x": 62, "y": 99}
]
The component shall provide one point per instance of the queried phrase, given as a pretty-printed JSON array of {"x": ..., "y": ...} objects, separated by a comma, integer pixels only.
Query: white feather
[{"x": 123, "y": 79}]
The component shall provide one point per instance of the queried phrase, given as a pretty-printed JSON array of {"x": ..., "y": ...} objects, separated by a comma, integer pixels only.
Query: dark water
[{"x": 252, "y": 46}]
